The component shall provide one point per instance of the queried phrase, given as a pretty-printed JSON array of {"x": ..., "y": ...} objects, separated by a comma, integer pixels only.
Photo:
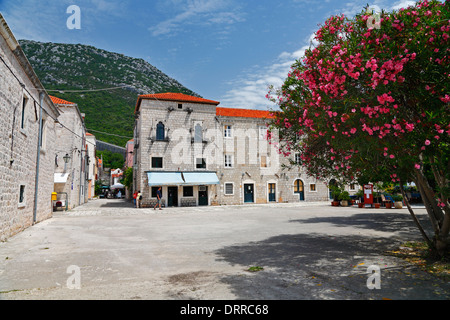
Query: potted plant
[
  {"x": 360, "y": 196},
  {"x": 376, "y": 196},
  {"x": 345, "y": 198},
  {"x": 336, "y": 193},
  {"x": 398, "y": 201}
]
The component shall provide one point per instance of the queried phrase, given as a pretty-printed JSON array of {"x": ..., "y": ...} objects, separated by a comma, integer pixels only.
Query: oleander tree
[{"x": 370, "y": 100}]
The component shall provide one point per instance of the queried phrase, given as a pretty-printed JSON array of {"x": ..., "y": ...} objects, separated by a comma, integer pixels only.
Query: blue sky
[{"x": 225, "y": 50}]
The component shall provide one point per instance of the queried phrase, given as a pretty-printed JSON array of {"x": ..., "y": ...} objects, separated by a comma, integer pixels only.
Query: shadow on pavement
[
  {"x": 117, "y": 203},
  {"x": 320, "y": 266},
  {"x": 384, "y": 221}
]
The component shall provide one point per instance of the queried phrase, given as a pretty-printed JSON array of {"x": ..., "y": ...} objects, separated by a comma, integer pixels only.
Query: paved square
[{"x": 307, "y": 251}]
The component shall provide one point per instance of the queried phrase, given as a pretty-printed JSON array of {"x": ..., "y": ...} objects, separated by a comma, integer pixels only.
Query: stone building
[
  {"x": 201, "y": 154},
  {"x": 71, "y": 180},
  {"x": 91, "y": 161},
  {"x": 27, "y": 140}
]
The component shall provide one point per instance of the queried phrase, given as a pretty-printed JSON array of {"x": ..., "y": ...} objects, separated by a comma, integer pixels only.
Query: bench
[{"x": 188, "y": 203}]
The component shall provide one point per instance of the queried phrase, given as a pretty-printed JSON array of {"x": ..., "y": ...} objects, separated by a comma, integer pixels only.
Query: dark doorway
[
  {"x": 172, "y": 198},
  {"x": 202, "y": 195},
  {"x": 272, "y": 192},
  {"x": 299, "y": 189},
  {"x": 248, "y": 193}
]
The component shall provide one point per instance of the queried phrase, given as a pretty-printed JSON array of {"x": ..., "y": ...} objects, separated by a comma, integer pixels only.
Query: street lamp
[{"x": 66, "y": 159}]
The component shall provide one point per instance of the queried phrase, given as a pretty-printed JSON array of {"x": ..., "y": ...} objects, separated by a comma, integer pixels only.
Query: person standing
[
  {"x": 138, "y": 199},
  {"x": 159, "y": 197},
  {"x": 134, "y": 197}
]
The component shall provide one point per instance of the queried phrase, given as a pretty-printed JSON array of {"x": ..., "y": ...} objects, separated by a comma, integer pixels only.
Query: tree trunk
[
  {"x": 416, "y": 221},
  {"x": 440, "y": 218}
]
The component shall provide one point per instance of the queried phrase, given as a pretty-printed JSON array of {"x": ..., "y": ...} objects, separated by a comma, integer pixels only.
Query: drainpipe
[
  {"x": 81, "y": 168},
  {"x": 36, "y": 184}
]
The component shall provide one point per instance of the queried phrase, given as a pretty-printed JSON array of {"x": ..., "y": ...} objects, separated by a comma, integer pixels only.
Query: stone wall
[{"x": 19, "y": 142}]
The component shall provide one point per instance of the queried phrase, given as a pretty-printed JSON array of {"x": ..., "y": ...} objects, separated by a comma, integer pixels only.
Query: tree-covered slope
[{"x": 78, "y": 71}]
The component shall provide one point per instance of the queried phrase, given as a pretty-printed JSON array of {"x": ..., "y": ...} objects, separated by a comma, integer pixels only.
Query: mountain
[{"x": 74, "y": 69}]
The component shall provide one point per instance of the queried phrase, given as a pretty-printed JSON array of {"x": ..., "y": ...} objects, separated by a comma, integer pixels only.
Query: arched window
[
  {"x": 198, "y": 133},
  {"x": 160, "y": 134}
]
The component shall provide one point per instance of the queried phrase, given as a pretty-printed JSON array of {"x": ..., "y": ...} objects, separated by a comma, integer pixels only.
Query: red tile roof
[
  {"x": 224, "y": 112},
  {"x": 56, "y": 100},
  {"x": 170, "y": 96},
  {"x": 243, "y": 113}
]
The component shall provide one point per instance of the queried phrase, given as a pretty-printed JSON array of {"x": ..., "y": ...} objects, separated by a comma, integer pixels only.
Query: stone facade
[
  {"x": 24, "y": 161},
  {"x": 175, "y": 133},
  {"x": 71, "y": 141},
  {"x": 92, "y": 170}
]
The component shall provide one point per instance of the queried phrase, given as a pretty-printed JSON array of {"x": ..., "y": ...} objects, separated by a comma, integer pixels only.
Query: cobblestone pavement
[{"x": 106, "y": 249}]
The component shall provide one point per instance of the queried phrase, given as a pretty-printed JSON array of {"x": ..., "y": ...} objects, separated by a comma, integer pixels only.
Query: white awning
[
  {"x": 200, "y": 178},
  {"x": 164, "y": 178},
  {"x": 61, "y": 177}
]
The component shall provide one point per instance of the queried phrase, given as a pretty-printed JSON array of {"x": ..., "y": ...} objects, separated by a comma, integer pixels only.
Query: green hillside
[{"x": 75, "y": 67}]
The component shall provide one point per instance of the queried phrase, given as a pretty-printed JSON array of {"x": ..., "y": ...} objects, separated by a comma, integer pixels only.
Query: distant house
[
  {"x": 129, "y": 154},
  {"x": 27, "y": 140},
  {"x": 71, "y": 181},
  {"x": 92, "y": 169}
]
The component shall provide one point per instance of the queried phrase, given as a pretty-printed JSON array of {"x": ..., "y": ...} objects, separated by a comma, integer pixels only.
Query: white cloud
[
  {"x": 26, "y": 18},
  {"x": 45, "y": 20},
  {"x": 403, "y": 4},
  {"x": 250, "y": 90},
  {"x": 198, "y": 12}
]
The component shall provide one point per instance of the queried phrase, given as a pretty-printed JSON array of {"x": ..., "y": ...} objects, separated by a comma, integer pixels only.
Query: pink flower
[
  {"x": 445, "y": 99},
  {"x": 427, "y": 142},
  {"x": 417, "y": 166},
  {"x": 392, "y": 156}
]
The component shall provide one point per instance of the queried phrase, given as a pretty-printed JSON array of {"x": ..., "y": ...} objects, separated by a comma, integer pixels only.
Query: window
[
  {"x": 180, "y": 106},
  {"x": 228, "y": 161},
  {"x": 263, "y": 161},
  {"x": 229, "y": 188},
  {"x": 200, "y": 163},
  {"x": 227, "y": 131},
  {"x": 24, "y": 109},
  {"x": 160, "y": 134},
  {"x": 188, "y": 191},
  {"x": 157, "y": 162},
  {"x": 198, "y": 133},
  {"x": 297, "y": 158},
  {"x": 43, "y": 135},
  {"x": 262, "y": 132},
  {"x": 312, "y": 187},
  {"x": 154, "y": 190},
  {"x": 352, "y": 187},
  {"x": 22, "y": 195}
]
